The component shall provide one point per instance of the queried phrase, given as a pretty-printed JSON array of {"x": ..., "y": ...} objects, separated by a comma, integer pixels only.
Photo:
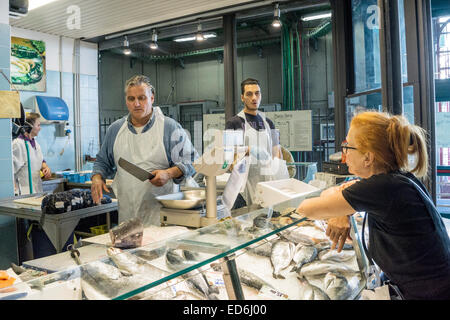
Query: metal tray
[{"x": 183, "y": 200}]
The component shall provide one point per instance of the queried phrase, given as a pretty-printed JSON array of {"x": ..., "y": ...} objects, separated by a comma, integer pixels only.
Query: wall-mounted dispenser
[
  {"x": 51, "y": 109},
  {"x": 62, "y": 129}
]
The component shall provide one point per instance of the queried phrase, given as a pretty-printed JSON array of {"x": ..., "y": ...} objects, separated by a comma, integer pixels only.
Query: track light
[
  {"x": 206, "y": 35},
  {"x": 126, "y": 44},
  {"x": 199, "y": 36},
  {"x": 154, "y": 44},
  {"x": 316, "y": 16},
  {"x": 276, "y": 17}
]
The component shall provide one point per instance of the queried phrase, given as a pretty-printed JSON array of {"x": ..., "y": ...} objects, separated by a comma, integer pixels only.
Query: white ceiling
[{"x": 102, "y": 17}]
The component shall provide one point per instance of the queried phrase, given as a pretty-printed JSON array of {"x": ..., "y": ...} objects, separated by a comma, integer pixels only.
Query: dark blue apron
[{"x": 442, "y": 244}]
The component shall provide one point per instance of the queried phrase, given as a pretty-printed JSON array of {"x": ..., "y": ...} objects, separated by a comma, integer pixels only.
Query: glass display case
[{"x": 270, "y": 253}]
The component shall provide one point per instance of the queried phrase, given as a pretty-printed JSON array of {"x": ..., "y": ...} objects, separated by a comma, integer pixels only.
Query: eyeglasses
[{"x": 345, "y": 147}]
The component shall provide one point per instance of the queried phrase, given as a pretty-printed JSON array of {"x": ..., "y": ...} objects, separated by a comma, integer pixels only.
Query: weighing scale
[
  {"x": 195, "y": 217},
  {"x": 214, "y": 162}
]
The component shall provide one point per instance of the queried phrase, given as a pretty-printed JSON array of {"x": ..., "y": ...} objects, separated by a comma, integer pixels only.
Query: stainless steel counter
[
  {"x": 53, "y": 185},
  {"x": 58, "y": 227}
]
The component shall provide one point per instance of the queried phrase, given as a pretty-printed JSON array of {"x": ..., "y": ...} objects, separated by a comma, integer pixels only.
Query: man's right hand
[{"x": 97, "y": 187}]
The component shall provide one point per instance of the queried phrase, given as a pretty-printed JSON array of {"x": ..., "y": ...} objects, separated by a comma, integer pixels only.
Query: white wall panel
[
  {"x": 4, "y": 9},
  {"x": 88, "y": 58}
]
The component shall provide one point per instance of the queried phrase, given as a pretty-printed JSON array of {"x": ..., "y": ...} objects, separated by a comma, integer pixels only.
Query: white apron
[
  {"x": 136, "y": 198},
  {"x": 20, "y": 163},
  {"x": 266, "y": 168}
]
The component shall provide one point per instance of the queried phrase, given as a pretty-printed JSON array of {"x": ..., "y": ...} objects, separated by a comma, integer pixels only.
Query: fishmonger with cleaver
[{"x": 150, "y": 140}]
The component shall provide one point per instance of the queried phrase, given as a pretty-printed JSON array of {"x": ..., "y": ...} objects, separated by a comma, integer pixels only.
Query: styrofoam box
[{"x": 270, "y": 193}]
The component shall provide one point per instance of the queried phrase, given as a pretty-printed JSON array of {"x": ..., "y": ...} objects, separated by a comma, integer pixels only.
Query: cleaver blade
[{"x": 134, "y": 170}]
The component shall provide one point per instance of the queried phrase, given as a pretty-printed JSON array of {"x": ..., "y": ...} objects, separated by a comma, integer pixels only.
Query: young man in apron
[
  {"x": 150, "y": 140},
  {"x": 260, "y": 135}
]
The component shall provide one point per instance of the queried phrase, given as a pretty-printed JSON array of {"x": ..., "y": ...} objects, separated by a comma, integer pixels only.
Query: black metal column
[
  {"x": 229, "y": 65},
  {"x": 426, "y": 78},
  {"x": 231, "y": 278},
  {"x": 343, "y": 63},
  {"x": 391, "y": 62}
]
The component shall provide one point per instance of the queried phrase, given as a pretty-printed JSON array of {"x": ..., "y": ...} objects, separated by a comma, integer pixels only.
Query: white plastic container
[{"x": 270, "y": 193}]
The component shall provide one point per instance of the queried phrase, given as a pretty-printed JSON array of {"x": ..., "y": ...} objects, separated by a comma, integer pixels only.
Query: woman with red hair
[{"x": 407, "y": 237}]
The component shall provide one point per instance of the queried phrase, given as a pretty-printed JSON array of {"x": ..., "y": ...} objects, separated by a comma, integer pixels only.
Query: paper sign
[
  {"x": 295, "y": 127},
  {"x": 236, "y": 183},
  {"x": 9, "y": 104},
  {"x": 267, "y": 293}
]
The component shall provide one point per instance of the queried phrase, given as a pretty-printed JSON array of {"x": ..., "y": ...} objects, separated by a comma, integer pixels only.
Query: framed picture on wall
[{"x": 28, "y": 64}]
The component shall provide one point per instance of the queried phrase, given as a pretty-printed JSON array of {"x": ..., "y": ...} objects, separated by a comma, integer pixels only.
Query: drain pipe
[
  {"x": 77, "y": 108},
  {"x": 60, "y": 67}
]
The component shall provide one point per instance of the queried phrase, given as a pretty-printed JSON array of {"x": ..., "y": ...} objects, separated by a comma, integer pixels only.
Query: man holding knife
[{"x": 148, "y": 139}]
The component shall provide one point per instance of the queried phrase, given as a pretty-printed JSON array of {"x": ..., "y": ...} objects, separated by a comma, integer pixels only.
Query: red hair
[{"x": 391, "y": 139}]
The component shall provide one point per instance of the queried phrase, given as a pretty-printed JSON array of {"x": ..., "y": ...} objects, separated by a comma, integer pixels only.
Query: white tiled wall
[
  {"x": 89, "y": 117},
  {"x": 6, "y": 184},
  {"x": 8, "y": 253}
]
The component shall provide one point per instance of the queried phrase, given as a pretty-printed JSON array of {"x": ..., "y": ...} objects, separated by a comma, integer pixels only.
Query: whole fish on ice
[
  {"x": 261, "y": 248},
  {"x": 334, "y": 256},
  {"x": 310, "y": 292},
  {"x": 143, "y": 273},
  {"x": 252, "y": 280},
  {"x": 336, "y": 286},
  {"x": 319, "y": 267},
  {"x": 135, "y": 265},
  {"x": 196, "y": 280},
  {"x": 306, "y": 235},
  {"x": 303, "y": 254},
  {"x": 102, "y": 281},
  {"x": 281, "y": 257}
]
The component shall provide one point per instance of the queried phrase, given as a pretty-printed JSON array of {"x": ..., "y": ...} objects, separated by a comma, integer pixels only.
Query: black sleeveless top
[{"x": 407, "y": 237}]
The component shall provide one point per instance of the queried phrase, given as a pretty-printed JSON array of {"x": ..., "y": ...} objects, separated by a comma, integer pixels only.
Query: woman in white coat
[
  {"x": 28, "y": 160},
  {"x": 28, "y": 163}
]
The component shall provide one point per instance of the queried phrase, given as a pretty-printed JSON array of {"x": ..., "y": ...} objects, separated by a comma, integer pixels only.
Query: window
[
  {"x": 408, "y": 103},
  {"x": 367, "y": 102},
  {"x": 366, "y": 44},
  {"x": 442, "y": 45},
  {"x": 401, "y": 16}
]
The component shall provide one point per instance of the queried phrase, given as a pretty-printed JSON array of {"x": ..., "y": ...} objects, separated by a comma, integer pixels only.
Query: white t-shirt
[{"x": 138, "y": 129}]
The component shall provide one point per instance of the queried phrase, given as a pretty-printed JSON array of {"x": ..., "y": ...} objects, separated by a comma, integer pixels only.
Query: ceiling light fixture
[
  {"x": 199, "y": 36},
  {"x": 126, "y": 44},
  {"x": 276, "y": 17},
  {"x": 316, "y": 16},
  {"x": 34, "y": 4},
  {"x": 154, "y": 44},
  {"x": 193, "y": 37},
  {"x": 184, "y": 39}
]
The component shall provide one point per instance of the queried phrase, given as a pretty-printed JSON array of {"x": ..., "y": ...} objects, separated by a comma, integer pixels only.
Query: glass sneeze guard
[{"x": 210, "y": 244}]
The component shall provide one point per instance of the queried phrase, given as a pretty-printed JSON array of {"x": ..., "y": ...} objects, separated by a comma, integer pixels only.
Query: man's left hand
[{"x": 161, "y": 178}]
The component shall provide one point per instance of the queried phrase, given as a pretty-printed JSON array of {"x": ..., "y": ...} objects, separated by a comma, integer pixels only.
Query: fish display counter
[{"x": 265, "y": 254}]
